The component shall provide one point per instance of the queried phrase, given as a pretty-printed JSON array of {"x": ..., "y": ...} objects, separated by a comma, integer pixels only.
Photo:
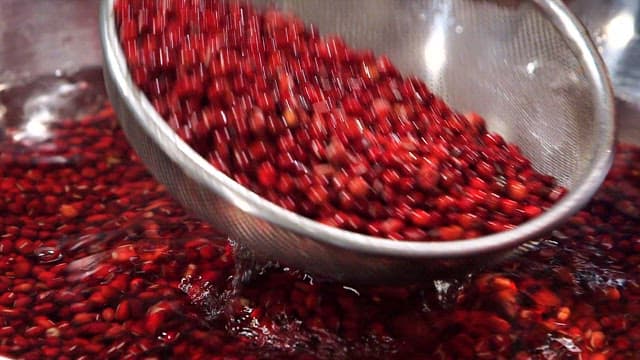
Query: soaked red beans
[
  {"x": 98, "y": 262},
  {"x": 324, "y": 130}
]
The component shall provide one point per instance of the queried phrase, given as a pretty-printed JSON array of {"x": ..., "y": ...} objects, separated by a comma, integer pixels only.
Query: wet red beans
[
  {"x": 96, "y": 261},
  {"x": 322, "y": 129}
]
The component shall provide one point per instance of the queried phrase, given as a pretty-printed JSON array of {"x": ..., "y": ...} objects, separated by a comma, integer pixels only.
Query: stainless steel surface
[
  {"x": 42, "y": 36},
  {"x": 50, "y": 60},
  {"x": 615, "y": 27},
  {"x": 527, "y": 66}
]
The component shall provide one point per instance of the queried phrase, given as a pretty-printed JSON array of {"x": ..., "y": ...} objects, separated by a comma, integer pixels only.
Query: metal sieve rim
[{"x": 196, "y": 167}]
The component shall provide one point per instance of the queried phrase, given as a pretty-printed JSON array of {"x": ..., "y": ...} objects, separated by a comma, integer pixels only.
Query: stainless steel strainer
[{"x": 527, "y": 66}]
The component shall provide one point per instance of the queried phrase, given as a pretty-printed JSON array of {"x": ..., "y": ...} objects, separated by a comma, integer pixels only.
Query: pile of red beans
[
  {"x": 335, "y": 134},
  {"x": 96, "y": 261}
]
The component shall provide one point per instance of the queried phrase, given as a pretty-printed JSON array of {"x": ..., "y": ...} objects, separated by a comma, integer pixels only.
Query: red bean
[{"x": 315, "y": 102}]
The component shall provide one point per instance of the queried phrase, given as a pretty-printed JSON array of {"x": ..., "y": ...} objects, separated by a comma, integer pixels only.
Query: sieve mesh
[
  {"x": 502, "y": 59},
  {"x": 506, "y": 62}
]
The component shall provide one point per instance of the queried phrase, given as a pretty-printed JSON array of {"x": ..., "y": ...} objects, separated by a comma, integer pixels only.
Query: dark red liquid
[{"x": 96, "y": 261}]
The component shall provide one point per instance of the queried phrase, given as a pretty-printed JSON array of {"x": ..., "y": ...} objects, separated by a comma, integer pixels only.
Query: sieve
[{"x": 528, "y": 67}]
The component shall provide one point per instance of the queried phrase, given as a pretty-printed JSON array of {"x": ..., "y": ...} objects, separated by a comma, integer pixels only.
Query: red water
[{"x": 97, "y": 261}]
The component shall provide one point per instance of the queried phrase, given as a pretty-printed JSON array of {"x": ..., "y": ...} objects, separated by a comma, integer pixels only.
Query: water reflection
[{"x": 28, "y": 110}]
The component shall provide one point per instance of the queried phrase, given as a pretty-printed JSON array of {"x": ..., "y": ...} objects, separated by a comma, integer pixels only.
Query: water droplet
[
  {"x": 168, "y": 337},
  {"x": 459, "y": 29},
  {"x": 308, "y": 278},
  {"x": 567, "y": 343},
  {"x": 47, "y": 254},
  {"x": 352, "y": 290},
  {"x": 532, "y": 67}
]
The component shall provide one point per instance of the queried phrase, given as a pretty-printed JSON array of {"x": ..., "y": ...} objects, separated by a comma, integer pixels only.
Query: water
[{"x": 551, "y": 303}]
